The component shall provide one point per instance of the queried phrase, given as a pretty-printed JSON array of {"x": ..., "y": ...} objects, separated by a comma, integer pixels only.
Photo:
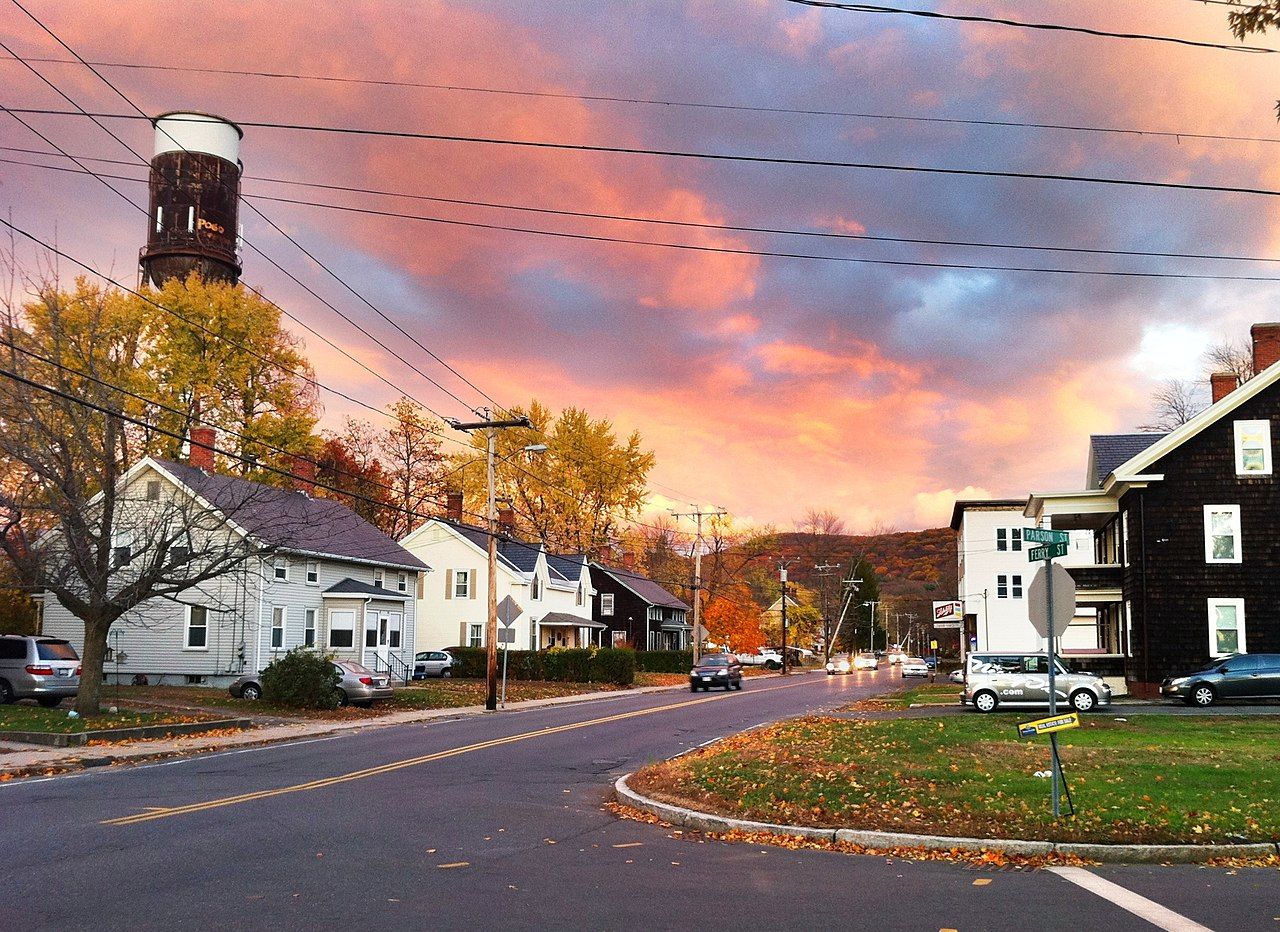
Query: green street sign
[
  {"x": 1040, "y": 535},
  {"x": 1047, "y": 552}
]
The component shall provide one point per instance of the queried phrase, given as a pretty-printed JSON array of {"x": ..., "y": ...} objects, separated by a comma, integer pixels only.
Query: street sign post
[
  {"x": 1047, "y": 552},
  {"x": 950, "y": 625},
  {"x": 1041, "y": 535},
  {"x": 508, "y": 612}
]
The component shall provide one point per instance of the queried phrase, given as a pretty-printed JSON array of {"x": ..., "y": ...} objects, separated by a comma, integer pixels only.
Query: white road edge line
[{"x": 1159, "y": 916}]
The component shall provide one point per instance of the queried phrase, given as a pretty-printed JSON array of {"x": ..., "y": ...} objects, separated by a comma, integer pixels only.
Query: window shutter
[
  {"x": 422, "y": 578},
  {"x": 472, "y": 587},
  {"x": 448, "y": 584},
  {"x": 462, "y": 634}
]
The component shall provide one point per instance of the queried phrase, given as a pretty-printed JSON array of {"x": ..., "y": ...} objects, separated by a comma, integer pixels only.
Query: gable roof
[
  {"x": 567, "y": 565},
  {"x": 351, "y": 586},
  {"x": 291, "y": 520},
  {"x": 984, "y": 504},
  {"x": 644, "y": 587},
  {"x": 1109, "y": 451}
]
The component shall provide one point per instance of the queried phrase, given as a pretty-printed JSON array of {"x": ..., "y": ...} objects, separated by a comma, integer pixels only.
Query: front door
[{"x": 377, "y": 633}]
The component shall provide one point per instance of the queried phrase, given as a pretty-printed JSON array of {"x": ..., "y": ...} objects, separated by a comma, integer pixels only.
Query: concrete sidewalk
[{"x": 21, "y": 760}]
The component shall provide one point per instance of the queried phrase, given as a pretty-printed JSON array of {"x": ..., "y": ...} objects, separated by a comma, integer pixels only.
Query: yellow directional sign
[{"x": 1045, "y": 726}]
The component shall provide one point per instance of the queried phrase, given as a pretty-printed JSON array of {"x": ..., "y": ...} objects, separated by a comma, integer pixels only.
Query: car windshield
[
  {"x": 422, "y": 656},
  {"x": 717, "y": 661},
  {"x": 915, "y": 660},
  {"x": 55, "y": 650}
]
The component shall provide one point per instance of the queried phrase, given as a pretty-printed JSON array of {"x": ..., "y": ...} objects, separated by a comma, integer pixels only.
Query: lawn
[
  {"x": 422, "y": 694},
  {"x": 922, "y": 693},
  {"x": 1151, "y": 779},
  {"x": 23, "y": 717}
]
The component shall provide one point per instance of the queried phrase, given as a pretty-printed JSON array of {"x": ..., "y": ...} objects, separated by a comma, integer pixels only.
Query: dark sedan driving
[
  {"x": 716, "y": 670},
  {"x": 1240, "y": 676}
]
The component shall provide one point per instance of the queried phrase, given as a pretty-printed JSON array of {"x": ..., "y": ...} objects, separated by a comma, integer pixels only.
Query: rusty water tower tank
[{"x": 194, "y": 204}]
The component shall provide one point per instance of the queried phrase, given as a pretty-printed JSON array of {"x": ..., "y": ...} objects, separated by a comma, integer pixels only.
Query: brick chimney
[
  {"x": 200, "y": 448},
  {"x": 1222, "y": 384},
  {"x": 453, "y": 507},
  {"x": 304, "y": 474},
  {"x": 506, "y": 521},
  {"x": 628, "y": 560},
  {"x": 1266, "y": 345}
]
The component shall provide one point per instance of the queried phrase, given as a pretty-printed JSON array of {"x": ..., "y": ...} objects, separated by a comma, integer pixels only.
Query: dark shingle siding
[{"x": 1109, "y": 451}]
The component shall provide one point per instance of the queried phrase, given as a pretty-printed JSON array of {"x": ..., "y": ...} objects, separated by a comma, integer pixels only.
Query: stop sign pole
[{"x": 1054, "y": 544}]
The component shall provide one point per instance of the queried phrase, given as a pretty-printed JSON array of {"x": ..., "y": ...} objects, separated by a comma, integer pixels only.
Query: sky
[{"x": 765, "y": 385}]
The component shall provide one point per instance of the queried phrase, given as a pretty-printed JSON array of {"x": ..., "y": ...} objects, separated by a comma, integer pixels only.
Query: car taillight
[
  {"x": 78, "y": 669},
  {"x": 367, "y": 680},
  {"x": 35, "y": 670}
]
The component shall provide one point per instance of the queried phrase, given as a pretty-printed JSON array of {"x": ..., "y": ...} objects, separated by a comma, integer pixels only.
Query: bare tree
[
  {"x": 1174, "y": 403},
  {"x": 69, "y": 523},
  {"x": 1234, "y": 356}
]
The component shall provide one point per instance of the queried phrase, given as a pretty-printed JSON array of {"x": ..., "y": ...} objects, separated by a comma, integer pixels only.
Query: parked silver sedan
[{"x": 358, "y": 685}]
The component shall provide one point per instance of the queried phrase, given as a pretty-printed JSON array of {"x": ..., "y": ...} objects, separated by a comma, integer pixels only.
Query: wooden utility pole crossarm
[{"x": 698, "y": 514}]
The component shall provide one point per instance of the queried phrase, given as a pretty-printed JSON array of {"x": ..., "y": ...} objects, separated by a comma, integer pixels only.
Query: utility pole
[
  {"x": 911, "y": 625},
  {"x": 823, "y": 571},
  {"x": 873, "y": 606},
  {"x": 782, "y": 577},
  {"x": 850, "y": 593},
  {"x": 698, "y": 514},
  {"x": 491, "y": 428}
]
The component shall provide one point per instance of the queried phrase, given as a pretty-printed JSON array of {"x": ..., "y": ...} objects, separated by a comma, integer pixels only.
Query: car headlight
[
  {"x": 831, "y": 666},
  {"x": 1179, "y": 681}
]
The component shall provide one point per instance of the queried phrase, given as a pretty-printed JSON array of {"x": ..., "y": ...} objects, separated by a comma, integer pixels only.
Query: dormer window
[
  {"x": 535, "y": 587},
  {"x": 377, "y": 579},
  {"x": 1253, "y": 448}
]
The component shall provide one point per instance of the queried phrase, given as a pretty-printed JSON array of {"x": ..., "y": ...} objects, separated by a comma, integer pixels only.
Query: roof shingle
[{"x": 1108, "y": 451}]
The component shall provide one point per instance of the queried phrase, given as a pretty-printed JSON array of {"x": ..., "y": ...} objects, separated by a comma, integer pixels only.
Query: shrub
[
  {"x": 615, "y": 665},
  {"x": 664, "y": 661},
  {"x": 561, "y": 664},
  {"x": 303, "y": 679}
]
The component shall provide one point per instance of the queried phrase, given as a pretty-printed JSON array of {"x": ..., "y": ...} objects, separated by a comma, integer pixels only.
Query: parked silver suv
[
  {"x": 44, "y": 669},
  {"x": 994, "y": 679}
]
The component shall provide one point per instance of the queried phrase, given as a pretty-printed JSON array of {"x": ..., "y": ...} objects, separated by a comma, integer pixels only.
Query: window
[
  {"x": 1035, "y": 664},
  {"x": 159, "y": 219},
  {"x": 1015, "y": 538},
  {"x": 606, "y": 603},
  {"x": 1016, "y": 586},
  {"x": 342, "y": 629},
  {"x": 1128, "y": 628},
  {"x": 1222, "y": 534},
  {"x": 1226, "y": 626},
  {"x": 122, "y": 547},
  {"x": 13, "y": 649},
  {"x": 377, "y": 579},
  {"x": 371, "y": 631},
  {"x": 309, "y": 628},
  {"x": 402, "y": 582},
  {"x": 313, "y": 573},
  {"x": 535, "y": 587},
  {"x": 578, "y": 600},
  {"x": 197, "y": 628},
  {"x": 1002, "y": 587},
  {"x": 393, "y": 637},
  {"x": 1002, "y": 538},
  {"x": 1253, "y": 448},
  {"x": 1124, "y": 538},
  {"x": 153, "y": 490},
  {"x": 277, "y": 627},
  {"x": 280, "y": 568},
  {"x": 462, "y": 584},
  {"x": 474, "y": 635}
]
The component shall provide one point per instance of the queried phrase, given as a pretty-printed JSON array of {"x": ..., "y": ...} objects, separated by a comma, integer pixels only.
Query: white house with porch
[
  {"x": 333, "y": 582},
  {"x": 551, "y": 594}
]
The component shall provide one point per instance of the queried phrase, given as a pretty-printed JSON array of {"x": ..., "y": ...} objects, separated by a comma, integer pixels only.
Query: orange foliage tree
[{"x": 733, "y": 619}]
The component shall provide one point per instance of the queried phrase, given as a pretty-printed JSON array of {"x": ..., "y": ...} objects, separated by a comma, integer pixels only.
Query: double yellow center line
[{"x": 151, "y": 814}]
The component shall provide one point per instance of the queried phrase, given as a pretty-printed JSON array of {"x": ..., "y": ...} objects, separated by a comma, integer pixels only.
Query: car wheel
[
  {"x": 985, "y": 701},
  {"x": 738, "y": 686},
  {"x": 251, "y": 691},
  {"x": 6, "y": 692},
  {"x": 446, "y": 674},
  {"x": 342, "y": 698},
  {"x": 1203, "y": 696},
  {"x": 693, "y": 688},
  {"x": 50, "y": 702},
  {"x": 1083, "y": 701}
]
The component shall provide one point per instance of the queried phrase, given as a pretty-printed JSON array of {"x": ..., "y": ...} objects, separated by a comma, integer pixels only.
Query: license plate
[
  {"x": 706, "y": 679},
  {"x": 64, "y": 672}
]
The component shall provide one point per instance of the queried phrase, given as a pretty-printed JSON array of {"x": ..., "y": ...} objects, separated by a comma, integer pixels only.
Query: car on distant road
[
  {"x": 433, "y": 663},
  {"x": 956, "y": 676},
  {"x": 839, "y": 663},
  {"x": 995, "y": 679},
  {"x": 716, "y": 670},
  {"x": 913, "y": 666},
  {"x": 1240, "y": 676},
  {"x": 865, "y": 660},
  {"x": 766, "y": 657},
  {"x": 44, "y": 669},
  {"x": 896, "y": 657},
  {"x": 357, "y": 685}
]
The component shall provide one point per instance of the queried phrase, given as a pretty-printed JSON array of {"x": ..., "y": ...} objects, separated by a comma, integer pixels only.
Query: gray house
[{"x": 333, "y": 582}]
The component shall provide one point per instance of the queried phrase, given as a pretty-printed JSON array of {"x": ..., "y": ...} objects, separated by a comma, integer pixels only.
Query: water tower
[{"x": 195, "y": 194}]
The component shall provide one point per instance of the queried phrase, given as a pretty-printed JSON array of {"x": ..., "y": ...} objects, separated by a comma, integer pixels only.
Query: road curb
[{"x": 1111, "y": 854}]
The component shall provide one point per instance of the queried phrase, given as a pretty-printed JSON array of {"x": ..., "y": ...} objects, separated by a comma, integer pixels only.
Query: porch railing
[{"x": 394, "y": 667}]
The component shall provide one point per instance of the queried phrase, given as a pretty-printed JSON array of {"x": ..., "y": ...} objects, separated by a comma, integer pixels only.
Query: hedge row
[
  {"x": 664, "y": 661},
  {"x": 561, "y": 664}
]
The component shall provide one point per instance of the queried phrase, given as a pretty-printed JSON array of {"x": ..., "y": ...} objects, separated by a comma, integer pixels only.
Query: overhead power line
[
  {"x": 1052, "y": 27},
  {"x": 671, "y": 221},
  {"x": 780, "y": 254},
  {"x": 704, "y": 156},
  {"x": 690, "y": 104}
]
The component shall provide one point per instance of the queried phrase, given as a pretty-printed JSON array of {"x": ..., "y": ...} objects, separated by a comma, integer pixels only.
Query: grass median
[
  {"x": 1151, "y": 779},
  {"x": 21, "y": 717}
]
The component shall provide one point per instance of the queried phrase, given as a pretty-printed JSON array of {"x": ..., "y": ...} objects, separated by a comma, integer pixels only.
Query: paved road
[{"x": 496, "y": 821}]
